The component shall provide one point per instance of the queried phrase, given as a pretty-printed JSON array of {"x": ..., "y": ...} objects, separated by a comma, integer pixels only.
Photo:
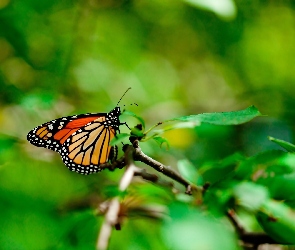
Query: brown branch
[
  {"x": 134, "y": 153},
  {"x": 130, "y": 169},
  {"x": 112, "y": 208},
  {"x": 111, "y": 219},
  {"x": 138, "y": 155},
  {"x": 231, "y": 215},
  {"x": 153, "y": 178},
  {"x": 253, "y": 239},
  {"x": 256, "y": 239}
]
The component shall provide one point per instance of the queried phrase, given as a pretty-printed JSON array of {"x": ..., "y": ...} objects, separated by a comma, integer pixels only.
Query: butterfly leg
[
  {"x": 113, "y": 154},
  {"x": 124, "y": 123}
]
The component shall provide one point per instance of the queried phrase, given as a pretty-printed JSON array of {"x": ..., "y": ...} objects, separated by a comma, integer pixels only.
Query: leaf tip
[{"x": 271, "y": 138}]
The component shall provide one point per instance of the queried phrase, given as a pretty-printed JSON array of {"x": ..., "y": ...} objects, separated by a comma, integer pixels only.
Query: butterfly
[{"x": 81, "y": 140}]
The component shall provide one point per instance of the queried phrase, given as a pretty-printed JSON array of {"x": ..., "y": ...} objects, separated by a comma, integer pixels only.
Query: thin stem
[
  {"x": 257, "y": 239},
  {"x": 254, "y": 239},
  {"x": 151, "y": 128},
  {"x": 231, "y": 215},
  {"x": 111, "y": 219},
  {"x": 153, "y": 178},
  {"x": 140, "y": 156}
]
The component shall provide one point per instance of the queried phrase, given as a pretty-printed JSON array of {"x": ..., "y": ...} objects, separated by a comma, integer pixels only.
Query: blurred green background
[{"x": 59, "y": 58}]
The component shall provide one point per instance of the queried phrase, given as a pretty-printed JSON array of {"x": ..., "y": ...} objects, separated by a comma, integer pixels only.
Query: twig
[
  {"x": 231, "y": 215},
  {"x": 254, "y": 239},
  {"x": 113, "y": 210},
  {"x": 127, "y": 177},
  {"x": 258, "y": 239},
  {"x": 111, "y": 219},
  {"x": 113, "y": 207},
  {"x": 153, "y": 178},
  {"x": 135, "y": 171},
  {"x": 130, "y": 170},
  {"x": 134, "y": 153},
  {"x": 138, "y": 155}
]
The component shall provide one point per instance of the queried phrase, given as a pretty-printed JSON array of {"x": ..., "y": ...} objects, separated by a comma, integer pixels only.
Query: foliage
[{"x": 190, "y": 59}]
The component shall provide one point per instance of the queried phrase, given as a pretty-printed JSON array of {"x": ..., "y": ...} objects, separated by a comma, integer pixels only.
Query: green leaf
[
  {"x": 278, "y": 221},
  {"x": 250, "y": 195},
  {"x": 176, "y": 126},
  {"x": 213, "y": 172},
  {"x": 118, "y": 138},
  {"x": 273, "y": 169},
  {"x": 140, "y": 119},
  {"x": 266, "y": 164},
  {"x": 281, "y": 187},
  {"x": 219, "y": 198},
  {"x": 171, "y": 127},
  {"x": 161, "y": 140},
  {"x": 188, "y": 170},
  {"x": 286, "y": 145},
  {"x": 190, "y": 229},
  {"x": 223, "y": 118}
]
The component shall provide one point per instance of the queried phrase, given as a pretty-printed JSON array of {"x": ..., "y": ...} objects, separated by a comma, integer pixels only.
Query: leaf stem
[{"x": 151, "y": 128}]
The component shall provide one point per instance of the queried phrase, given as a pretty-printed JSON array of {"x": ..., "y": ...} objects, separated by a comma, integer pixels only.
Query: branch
[
  {"x": 135, "y": 171},
  {"x": 231, "y": 215},
  {"x": 153, "y": 178},
  {"x": 138, "y": 155},
  {"x": 113, "y": 207},
  {"x": 111, "y": 219},
  {"x": 258, "y": 239},
  {"x": 253, "y": 239},
  {"x": 134, "y": 153}
]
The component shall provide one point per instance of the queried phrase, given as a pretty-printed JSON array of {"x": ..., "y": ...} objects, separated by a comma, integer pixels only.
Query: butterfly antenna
[{"x": 123, "y": 95}]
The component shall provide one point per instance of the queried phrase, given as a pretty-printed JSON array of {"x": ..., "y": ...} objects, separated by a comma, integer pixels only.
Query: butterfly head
[
  {"x": 116, "y": 112},
  {"x": 113, "y": 117}
]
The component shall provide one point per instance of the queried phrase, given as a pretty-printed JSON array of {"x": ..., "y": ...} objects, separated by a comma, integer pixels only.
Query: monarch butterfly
[{"x": 81, "y": 140}]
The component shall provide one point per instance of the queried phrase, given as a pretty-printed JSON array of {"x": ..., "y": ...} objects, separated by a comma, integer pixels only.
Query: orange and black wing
[
  {"x": 88, "y": 147},
  {"x": 53, "y": 134}
]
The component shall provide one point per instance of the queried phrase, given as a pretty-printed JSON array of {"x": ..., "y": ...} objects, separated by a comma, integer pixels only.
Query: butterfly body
[{"x": 81, "y": 140}]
